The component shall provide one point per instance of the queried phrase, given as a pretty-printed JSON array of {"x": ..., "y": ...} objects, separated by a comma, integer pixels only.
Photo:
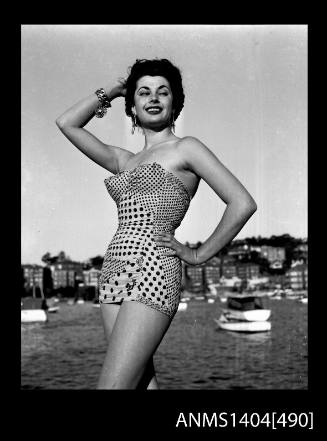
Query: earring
[{"x": 133, "y": 123}]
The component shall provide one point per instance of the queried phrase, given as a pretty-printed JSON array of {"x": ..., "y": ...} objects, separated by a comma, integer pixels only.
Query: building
[
  {"x": 258, "y": 282},
  {"x": 33, "y": 275},
  {"x": 247, "y": 271},
  {"x": 297, "y": 277},
  {"x": 230, "y": 282},
  {"x": 194, "y": 278},
  {"x": 212, "y": 270},
  {"x": 301, "y": 252},
  {"x": 91, "y": 277},
  {"x": 63, "y": 278},
  {"x": 238, "y": 251},
  {"x": 228, "y": 269},
  {"x": 256, "y": 248},
  {"x": 273, "y": 254},
  {"x": 276, "y": 264},
  {"x": 66, "y": 273}
]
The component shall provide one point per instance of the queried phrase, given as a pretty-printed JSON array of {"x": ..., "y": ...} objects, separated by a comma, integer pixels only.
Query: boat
[
  {"x": 244, "y": 313},
  {"x": 33, "y": 309},
  {"x": 247, "y": 308},
  {"x": 304, "y": 300},
  {"x": 278, "y": 294},
  {"x": 211, "y": 300},
  {"x": 242, "y": 326},
  {"x": 53, "y": 309},
  {"x": 185, "y": 296},
  {"x": 96, "y": 303},
  {"x": 182, "y": 306},
  {"x": 53, "y": 305}
]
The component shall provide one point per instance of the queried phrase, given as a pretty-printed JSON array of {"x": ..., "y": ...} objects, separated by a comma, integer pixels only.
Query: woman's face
[{"x": 153, "y": 101}]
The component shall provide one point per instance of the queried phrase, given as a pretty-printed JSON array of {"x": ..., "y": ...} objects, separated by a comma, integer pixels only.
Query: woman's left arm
[{"x": 240, "y": 205}]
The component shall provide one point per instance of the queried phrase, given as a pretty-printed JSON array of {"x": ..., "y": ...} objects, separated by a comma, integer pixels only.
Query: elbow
[
  {"x": 250, "y": 207},
  {"x": 247, "y": 207},
  {"x": 60, "y": 123}
]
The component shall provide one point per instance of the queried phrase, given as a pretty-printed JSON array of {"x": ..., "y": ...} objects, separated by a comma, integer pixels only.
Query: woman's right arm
[{"x": 72, "y": 121}]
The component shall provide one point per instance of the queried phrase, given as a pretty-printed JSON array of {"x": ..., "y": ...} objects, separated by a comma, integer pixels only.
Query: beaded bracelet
[{"x": 104, "y": 103}]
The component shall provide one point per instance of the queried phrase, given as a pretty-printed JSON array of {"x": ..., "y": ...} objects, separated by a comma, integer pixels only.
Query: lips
[{"x": 154, "y": 109}]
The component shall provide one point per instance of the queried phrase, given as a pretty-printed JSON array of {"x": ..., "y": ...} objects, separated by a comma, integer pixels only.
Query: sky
[{"x": 246, "y": 100}]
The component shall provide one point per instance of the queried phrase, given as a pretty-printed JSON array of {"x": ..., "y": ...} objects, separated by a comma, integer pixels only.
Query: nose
[{"x": 154, "y": 99}]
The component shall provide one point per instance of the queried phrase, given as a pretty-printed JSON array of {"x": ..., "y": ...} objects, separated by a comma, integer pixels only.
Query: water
[{"x": 67, "y": 352}]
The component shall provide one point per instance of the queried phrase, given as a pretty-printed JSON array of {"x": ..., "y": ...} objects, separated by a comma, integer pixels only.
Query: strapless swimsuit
[{"x": 150, "y": 200}]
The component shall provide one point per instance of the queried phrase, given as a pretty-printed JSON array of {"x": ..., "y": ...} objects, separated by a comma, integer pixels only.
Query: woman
[{"x": 141, "y": 276}]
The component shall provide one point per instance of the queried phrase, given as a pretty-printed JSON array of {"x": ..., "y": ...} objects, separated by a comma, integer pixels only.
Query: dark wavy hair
[{"x": 156, "y": 67}]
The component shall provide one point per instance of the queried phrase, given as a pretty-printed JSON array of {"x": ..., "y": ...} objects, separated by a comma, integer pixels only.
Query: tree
[
  {"x": 96, "y": 261},
  {"x": 47, "y": 281},
  {"x": 62, "y": 256},
  {"x": 48, "y": 259},
  {"x": 22, "y": 283}
]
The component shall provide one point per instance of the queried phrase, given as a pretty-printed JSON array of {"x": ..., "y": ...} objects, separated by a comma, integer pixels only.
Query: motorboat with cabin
[{"x": 244, "y": 313}]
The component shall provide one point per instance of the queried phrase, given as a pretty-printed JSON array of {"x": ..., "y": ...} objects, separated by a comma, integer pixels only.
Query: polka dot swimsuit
[{"x": 150, "y": 200}]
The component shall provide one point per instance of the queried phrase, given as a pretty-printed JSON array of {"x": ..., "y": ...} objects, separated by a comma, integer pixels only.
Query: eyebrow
[{"x": 146, "y": 87}]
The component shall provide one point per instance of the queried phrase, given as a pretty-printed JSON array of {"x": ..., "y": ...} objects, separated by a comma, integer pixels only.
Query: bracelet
[
  {"x": 102, "y": 97},
  {"x": 104, "y": 103}
]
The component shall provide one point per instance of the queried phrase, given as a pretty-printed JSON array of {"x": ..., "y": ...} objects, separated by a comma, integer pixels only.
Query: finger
[
  {"x": 164, "y": 244},
  {"x": 165, "y": 236},
  {"x": 162, "y": 238},
  {"x": 171, "y": 253}
]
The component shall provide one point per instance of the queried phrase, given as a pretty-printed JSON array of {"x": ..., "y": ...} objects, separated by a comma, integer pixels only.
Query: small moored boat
[
  {"x": 247, "y": 308},
  {"x": 240, "y": 326},
  {"x": 32, "y": 309},
  {"x": 53, "y": 309},
  {"x": 182, "y": 306},
  {"x": 244, "y": 313}
]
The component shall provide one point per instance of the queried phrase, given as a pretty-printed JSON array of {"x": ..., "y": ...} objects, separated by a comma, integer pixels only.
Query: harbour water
[{"x": 67, "y": 351}]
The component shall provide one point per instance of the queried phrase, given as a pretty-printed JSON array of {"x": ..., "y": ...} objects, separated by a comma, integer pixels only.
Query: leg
[
  {"x": 109, "y": 312},
  {"x": 135, "y": 336},
  {"x": 149, "y": 379}
]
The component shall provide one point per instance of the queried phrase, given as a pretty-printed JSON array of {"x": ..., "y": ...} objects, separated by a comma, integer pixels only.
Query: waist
[{"x": 135, "y": 225}]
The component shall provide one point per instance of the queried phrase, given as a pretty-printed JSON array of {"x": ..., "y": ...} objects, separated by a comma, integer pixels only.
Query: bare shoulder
[
  {"x": 192, "y": 151},
  {"x": 202, "y": 161},
  {"x": 189, "y": 141}
]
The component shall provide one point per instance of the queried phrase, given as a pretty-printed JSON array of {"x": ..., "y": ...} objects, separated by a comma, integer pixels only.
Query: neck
[{"x": 153, "y": 138}]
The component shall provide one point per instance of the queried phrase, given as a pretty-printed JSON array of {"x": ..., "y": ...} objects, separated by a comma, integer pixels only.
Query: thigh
[
  {"x": 109, "y": 313},
  {"x": 137, "y": 332}
]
